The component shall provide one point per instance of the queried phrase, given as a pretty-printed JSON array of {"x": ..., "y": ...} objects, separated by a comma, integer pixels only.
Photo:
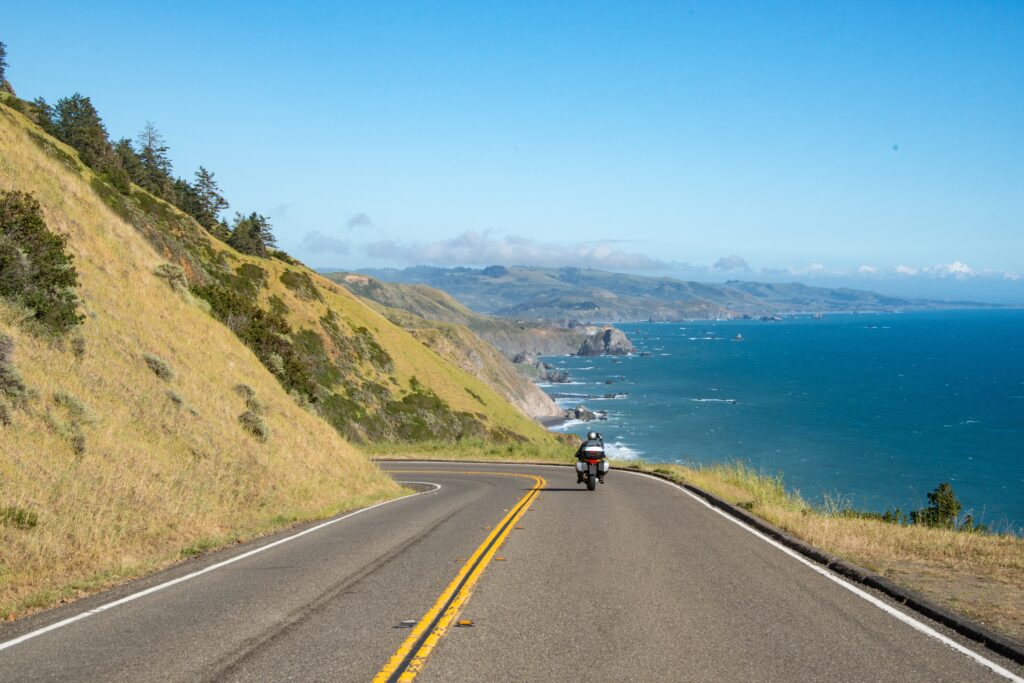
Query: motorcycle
[{"x": 591, "y": 466}]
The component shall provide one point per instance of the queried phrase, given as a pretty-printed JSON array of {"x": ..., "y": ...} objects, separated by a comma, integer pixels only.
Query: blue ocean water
[{"x": 874, "y": 410}]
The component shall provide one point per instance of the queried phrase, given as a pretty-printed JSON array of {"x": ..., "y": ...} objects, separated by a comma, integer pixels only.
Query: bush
[
  {"x": 300, "y": 283},
  {"x": 173, "y": 275},
  {"x": 17, "y": 517},
  {"x": 254, "y": 424},
  {"x": 36, "y": 271},
  {"x": 78, "y": 411},
  {"x": 6, "y": 348},
  {"x": 78, "y": 347},
  {"x": 247, "y": 392},
  {"x": 11, "y": 384},
  {"x": 159, "y": 366}
]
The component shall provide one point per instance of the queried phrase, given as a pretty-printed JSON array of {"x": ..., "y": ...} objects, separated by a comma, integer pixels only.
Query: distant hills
[
  {"x": 560, "y": 294},
  {"x": 509, "y": 336}
]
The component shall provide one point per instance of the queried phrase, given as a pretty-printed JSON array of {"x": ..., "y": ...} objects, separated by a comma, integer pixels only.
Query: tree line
[{"x": 145, "y": 162}]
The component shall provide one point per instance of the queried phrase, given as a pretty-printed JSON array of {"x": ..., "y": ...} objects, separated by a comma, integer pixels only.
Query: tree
[
  {"x": 943, "y": 508},
  {"x": 252, "y": 234},
  {"x": 76, "y": 122},
  {"x": 44, "y": 116},
  {"x": 211, "y": 201},
  {"x": 156, "y": 165},
  {"x": 36, "y": 271},
  {"x": 3, "y": 67},
  {"x": 129, "y": 160}
]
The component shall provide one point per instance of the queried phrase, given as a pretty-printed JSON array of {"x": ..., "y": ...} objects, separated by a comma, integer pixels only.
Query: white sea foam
[
  {"x": 620, "y": 451},
  {"x": 714, "y": 400}
]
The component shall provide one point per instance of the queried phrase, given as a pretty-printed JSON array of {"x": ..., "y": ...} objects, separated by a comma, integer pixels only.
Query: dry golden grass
[
  {"x": 980, "y": 575},
  {"x": 159, "y": 477}
]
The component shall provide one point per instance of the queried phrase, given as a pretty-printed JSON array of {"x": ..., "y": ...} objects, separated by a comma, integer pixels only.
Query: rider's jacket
[{"x": 594, "y": 446}]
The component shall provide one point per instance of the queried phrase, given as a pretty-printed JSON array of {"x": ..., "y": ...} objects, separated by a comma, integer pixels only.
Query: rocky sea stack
[{"x": 607, "y": 342}]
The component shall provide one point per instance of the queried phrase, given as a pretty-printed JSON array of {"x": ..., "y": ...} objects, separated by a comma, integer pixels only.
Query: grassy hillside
[
  {"x": 460, "y": 346},
  {"x": 509, "y": 336},
  {"x": 109, "y": 470},
  {"x": 196, "y": 401}
]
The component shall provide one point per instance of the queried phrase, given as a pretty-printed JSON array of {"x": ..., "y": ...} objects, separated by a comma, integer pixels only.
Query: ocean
[{"x": 872, "y": 410}]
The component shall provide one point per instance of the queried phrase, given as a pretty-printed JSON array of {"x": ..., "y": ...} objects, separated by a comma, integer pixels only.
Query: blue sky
[{"x": 874, "y": 144}]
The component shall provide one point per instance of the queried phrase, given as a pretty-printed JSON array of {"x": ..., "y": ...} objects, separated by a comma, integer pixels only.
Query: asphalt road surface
[{"x": 636, "y": 581}]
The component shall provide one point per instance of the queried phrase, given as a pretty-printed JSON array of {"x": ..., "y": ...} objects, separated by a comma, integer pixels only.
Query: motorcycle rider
[{"x": 594, "y": 443}]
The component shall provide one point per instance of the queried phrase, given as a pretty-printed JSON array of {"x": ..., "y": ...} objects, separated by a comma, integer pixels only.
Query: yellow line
[{"x": 484, "y": 552}]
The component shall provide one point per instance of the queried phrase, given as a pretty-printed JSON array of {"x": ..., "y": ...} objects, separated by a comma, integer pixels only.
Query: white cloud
[
  {"x": 812, "y": 269},
  {"x": 868, "y": 270},
  {"x": 731, "y": 264},
  {"x": 905, "y": 270},
  {"x": 318, "y": 242},
  {"x": 480, "y": 249},
  {"x": 957, "y": 269}
]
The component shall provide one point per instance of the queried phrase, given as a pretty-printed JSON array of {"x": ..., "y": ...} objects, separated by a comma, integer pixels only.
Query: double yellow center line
[{"x": 413, "y": 652}]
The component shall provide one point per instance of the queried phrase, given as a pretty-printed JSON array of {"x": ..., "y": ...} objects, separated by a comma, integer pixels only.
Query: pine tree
[
  {"x": 129, "y": 160},
  {"x": 3, "y": 67},
  {"x": 156, "y": 165},
  {"x": 44, "y": 115},
  {"x": 211, "y": 201},
  {"x": 943, "y": 508},
  {"x": 76, "y": 122},
  {"x": 252, "y": 234}
]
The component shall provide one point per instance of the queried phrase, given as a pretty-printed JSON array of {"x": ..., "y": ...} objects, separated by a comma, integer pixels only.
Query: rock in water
[
  {"x": 607, "y": 342},
  {"x": 584, "y": 414}
]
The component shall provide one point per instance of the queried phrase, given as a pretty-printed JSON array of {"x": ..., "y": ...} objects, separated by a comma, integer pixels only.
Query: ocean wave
[
  {"x": 714, "y": 400},
  {"x": 620, "y": 451}
]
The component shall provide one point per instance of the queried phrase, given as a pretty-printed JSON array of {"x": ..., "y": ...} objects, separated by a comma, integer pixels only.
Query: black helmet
[{"x": 593, "y": 436}]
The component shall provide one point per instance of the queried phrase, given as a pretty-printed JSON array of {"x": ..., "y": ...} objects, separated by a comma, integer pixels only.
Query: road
[{"x": 635, "y": 581}]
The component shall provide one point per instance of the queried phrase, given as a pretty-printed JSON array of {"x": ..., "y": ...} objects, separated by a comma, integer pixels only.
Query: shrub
[
  {"x": 300, "y": 283},
  {"x": 78, "y": 347},
  {"x": 178, "y": 402},
  {"x": 247, "y": 392},
  {"x": 282, "y": 256},
  {"x": 6, "y": 348},
  {"x": 78, "y": 411},
  {"x": 18, "y": 517},
  {"x": 159, "y": 366},
  {"x": 67, "y": 430},
  {"x": 11, "y": 384},
  {"x": 254, "y": 424},
  {"x": 173, "y": 275},
  {"x": 36, "y": 271}
]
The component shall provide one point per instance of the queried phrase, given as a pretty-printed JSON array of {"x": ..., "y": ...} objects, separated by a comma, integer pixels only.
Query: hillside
[
  {"x": 460, "y": 346},
  {"x": 511, "y": 337},
  {"x": 204, "y": 397},
  {"x": 530, "y": 293}
]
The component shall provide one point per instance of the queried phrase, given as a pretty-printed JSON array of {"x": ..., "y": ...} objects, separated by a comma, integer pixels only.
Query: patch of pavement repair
[{"x": 990, "y": 639}]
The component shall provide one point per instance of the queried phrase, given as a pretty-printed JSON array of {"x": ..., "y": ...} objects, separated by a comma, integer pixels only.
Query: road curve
[{"x": 635, "y": 581}]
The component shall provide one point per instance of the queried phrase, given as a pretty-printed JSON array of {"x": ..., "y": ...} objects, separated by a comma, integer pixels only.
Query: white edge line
[
  {"x": 880, "y": 604},
  {"x": 212, "y": 567}
]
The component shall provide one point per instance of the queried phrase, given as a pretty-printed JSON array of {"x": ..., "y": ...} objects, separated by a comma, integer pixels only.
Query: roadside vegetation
[{"x": 934, "y": 550}]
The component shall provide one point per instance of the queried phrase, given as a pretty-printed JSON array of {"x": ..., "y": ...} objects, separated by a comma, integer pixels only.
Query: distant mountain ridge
[{"x": 535, "y": 293}]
